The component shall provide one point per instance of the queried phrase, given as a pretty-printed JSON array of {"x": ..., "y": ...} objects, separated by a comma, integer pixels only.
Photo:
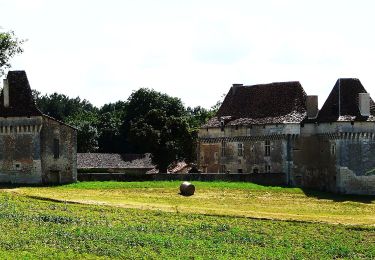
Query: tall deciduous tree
[
  {"x": 111, "y": 117},
  {"x": 87, "y": 134},
  {"x": 10, "y": 45},
  {"x": 61, "y": 106},
  {"x": 156, "y": 123}
]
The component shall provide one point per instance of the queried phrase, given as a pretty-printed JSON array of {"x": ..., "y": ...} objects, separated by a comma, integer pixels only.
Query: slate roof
[
  {"x": 21, "y": 102},
  {"x": 342, "y": 103},
  {"x": 113, "y": 161},
  {"x": 280, "y": 102}
]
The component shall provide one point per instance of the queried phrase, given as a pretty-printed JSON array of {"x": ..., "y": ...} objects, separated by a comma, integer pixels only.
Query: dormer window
[{"x": 222, "y": 125}]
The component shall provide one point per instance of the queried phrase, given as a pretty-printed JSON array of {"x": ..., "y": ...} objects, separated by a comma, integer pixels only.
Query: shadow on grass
[{"x": 339, "y": 197}]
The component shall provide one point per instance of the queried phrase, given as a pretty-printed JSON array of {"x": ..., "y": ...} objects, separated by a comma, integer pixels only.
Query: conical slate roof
[
  {"x": 342, "y": 102},
  {"x": 21, "y": 102}
]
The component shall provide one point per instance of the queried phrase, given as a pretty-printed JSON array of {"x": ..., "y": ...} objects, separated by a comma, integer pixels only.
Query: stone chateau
[
  {"x": 34, "y": 148},
  {"x": 277, "y": 128}
]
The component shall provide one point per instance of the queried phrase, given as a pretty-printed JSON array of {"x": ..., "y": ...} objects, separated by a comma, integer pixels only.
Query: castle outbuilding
[
  {"x": 34, "y": 148},
  {"x": 277, "y": 128}
]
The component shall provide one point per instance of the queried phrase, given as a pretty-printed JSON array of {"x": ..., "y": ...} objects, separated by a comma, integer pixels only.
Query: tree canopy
[
  {"x": 156, "y": 123},
  {"x": 147, "y": 122},
  {"x": 10, "y": 45}
]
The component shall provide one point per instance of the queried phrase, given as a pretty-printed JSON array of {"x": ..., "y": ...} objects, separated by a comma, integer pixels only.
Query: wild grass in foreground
[
  {"x": 35, "y": 229},
  {"x": 218, "y": 198}
]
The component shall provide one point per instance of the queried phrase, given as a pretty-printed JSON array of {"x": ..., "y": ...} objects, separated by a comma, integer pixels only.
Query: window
[
  {"x": 17, "y": 166},
  {"x": 333, "y": 149},
  {"x": 223, "y": 168},
  {"x": 240, "y": 149},
  {"x": 223, "y": 147},
  {"x": 267, "y": 148},
  {"x": 56, "y": 148},
  {"x": 255, "y": 170},
  {"x": 239, "y": 170},
  {"x": 267, "y": 168}
]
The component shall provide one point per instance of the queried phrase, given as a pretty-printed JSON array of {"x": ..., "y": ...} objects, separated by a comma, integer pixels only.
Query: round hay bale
[{"x": 187, "y": 189}]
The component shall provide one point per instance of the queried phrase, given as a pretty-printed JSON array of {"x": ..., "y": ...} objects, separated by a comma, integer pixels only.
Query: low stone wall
[
  {"x": 349, "y": 183},
  {"x": 271, "y": 179}
]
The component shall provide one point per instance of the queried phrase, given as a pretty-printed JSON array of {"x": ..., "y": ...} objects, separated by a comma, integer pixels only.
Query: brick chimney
[
  {"x": 6, "y": 92},
  {"x": 312, "y": 106},
  {"x": 364, "y": 104}
]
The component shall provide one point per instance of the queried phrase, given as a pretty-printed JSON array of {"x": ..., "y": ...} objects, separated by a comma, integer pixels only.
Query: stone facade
[
  {"x": 332, "y": 149},
  {"x": 34, "y": 148}
]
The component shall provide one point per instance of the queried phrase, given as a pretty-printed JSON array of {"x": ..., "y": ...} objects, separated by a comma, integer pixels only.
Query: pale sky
[{"x": 194, "y": 50}]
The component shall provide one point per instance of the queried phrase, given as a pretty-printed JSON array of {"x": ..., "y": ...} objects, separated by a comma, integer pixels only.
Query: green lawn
[
  {"x": 218, "y": 198},
  {"x": 32, "y": 228}
]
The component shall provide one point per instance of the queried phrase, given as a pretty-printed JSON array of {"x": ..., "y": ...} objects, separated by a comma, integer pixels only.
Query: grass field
[
  {"x": 176, "y": 228},
  {"x": 218, "y": 198}
]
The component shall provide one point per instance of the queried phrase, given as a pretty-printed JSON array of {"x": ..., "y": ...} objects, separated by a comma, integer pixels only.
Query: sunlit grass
[
  {"x": 36, "y": 229},
  {"x": 218, "y": 198}
]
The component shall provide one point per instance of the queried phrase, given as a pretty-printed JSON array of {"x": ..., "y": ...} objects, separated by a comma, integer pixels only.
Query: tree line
[{"x": 147, "y": 122}]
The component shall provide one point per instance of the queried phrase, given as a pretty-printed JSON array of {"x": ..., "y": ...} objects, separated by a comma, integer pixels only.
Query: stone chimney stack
[
  {"x": 6, "y": 92},
  {"x": 364, "y": 104},
  {"x": 312, "y": 107},
  {"x": 235, "y": 86}
]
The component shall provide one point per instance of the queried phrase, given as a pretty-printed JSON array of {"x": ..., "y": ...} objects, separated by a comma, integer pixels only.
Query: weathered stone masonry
[
  {"x": 278, "y": 128},
  {"x": 34, "y": 148}
]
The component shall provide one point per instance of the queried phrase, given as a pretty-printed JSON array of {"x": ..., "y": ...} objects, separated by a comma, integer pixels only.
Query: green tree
[
  {"x": 156, "y": 123},
  {"x": 87, "y": 134},
  {"x": 198, "y": 116},
  {"x": 76, "y": 112},
  {"x": 111, "y": 117},
  {"x": 10, "y": 46},
  {"x": 61, "y": 106}
]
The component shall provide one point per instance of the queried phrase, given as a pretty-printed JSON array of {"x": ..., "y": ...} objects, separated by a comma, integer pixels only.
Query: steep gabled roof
[
  {"x": 21, "y": 102},
  {"x": 280, "y": 102},
  {"x": 342, "y": 102}
]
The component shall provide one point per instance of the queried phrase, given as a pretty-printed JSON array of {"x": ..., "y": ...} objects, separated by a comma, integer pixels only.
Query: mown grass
[
  {"x": 218, "y": 198},
  {"x": 35, "y": 229}
]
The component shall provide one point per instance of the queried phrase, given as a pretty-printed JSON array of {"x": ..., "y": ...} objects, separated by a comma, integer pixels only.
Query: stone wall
[
  {"x": 20, "y": 160},
  {"x": 349, "y": 183},
  {"x": 208, "y": 157},
  {"x": 314, "y": 164},
  {"x": 58, "y": 152},
  {"x": 247, "y": 156},
  {"x": 308, "y": 154}
]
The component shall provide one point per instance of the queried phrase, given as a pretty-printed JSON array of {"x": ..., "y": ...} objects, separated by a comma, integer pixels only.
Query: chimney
[
  {"x": 235, "y": 86},
  {"x": 364, "y": 104},
  {"x": 312, "y": 107},
  {"x": 6, "y": 92}
]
